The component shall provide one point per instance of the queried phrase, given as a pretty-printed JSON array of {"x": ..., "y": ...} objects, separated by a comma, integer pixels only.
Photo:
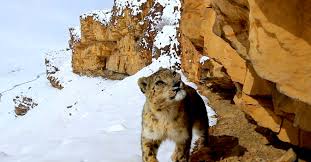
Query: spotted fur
[{"x": 172, "y": 109}]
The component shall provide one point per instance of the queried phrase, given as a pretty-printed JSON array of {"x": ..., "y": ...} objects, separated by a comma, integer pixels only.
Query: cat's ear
[{"x": 142, "y": 83}]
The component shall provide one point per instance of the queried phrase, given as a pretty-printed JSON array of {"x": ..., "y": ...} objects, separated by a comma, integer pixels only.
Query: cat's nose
[
  {"x": 176, "y": 86},
  {"x": 176, "y": 89}
]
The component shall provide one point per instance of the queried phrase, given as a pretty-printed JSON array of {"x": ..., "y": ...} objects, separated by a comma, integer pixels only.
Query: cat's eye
[{"x": 160, "y": 82}]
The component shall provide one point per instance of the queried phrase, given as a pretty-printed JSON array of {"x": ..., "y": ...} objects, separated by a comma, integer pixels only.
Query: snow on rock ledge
[
  {"x": 134, "y": 5},
  {"x": 58, "y": 65},
  {"x": 167, "y": 42},
  {"x": 203, "y": 59},
  {"x": 75, "y": 36},
  {"x": 164, "y": 18},
  {"x": 102, "y": 16},
  {"x": 138, "y": 33}
]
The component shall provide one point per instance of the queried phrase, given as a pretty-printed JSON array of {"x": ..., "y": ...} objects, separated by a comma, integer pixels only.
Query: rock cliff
[
  {"x": 263, "y": 48},
  {"x": 259, "y": 49},
  {"x": 108, "y": 46},
  {"x": 122, "y": 41}
]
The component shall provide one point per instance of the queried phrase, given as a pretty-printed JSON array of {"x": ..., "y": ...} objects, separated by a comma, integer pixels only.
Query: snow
[
  {"x": 134, "y": 5},
  {"x": 59, "y": 66},
  {"x": 90, "y": 119},
  {"x": 165, "y": 26},
  {"x": 75, "y": 33},
  {"x": 167, "y": 37},
  {"x": 203, "y": 59},
  {"x": 102, "y": 16},
  {"x": 115, "y": 128},
  {"x": 171, "y": 10}
]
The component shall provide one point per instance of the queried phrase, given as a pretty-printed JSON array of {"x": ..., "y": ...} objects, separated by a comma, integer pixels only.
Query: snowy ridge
[
  {"x": 102, "y": 16},
  {"x": 58, "y": 66}
]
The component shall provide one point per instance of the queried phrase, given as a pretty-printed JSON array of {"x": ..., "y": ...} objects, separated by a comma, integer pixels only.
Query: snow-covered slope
[{"x": 89, "y": 120}]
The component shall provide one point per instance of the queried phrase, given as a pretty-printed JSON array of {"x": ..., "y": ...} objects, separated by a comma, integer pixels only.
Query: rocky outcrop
[
  {"x": 122, "y": 41},
  {"x": 226, "y": 64},
  {"x": 264, "y": 53},
  {"x": 259, "y": 49},
  {"x": 23, "y": 104},
  {"x": 109, "y": 47}
]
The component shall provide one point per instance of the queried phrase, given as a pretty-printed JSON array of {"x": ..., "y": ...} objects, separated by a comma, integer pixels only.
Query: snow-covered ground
[{"x": 90, "y": 120}]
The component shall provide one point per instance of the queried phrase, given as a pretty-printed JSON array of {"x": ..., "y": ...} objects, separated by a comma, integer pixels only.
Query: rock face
[
  {"x": 109, "y": 47},
  {"x": 263, "y": 49},
  {"x": 225, "y": 64},
  {"x": 260, "y": 49},
  {"x": 280, "y": 49},
  {"x": 120, "y": 42}
]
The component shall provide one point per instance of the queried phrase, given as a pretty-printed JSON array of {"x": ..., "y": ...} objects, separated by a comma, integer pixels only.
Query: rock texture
[
  {"x": 23, "y": 104},
  {"x": 233, "y": 138},
  {"x": 263, "y": 49},
  {"x": 225, "y": 64},
  {"x": 289, "y": 156},
  {"x": 280, "y": 49},
  {"x": 120, "y": 42},
  {"x": 109, "y": 49},
  {"x": 260, "y": 50}
]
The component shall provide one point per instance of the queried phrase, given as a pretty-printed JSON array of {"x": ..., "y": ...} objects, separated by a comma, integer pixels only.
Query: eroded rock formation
[
  {"x": 109, "y": 48},
  {"x": 261, "y": 49},
  {"x": 122, "y": 41},
  {"x": 264, "y": 49}
]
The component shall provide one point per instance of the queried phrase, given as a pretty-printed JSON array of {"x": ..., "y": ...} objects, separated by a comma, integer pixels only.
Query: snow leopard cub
[{"x": 172, "y": 109}]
